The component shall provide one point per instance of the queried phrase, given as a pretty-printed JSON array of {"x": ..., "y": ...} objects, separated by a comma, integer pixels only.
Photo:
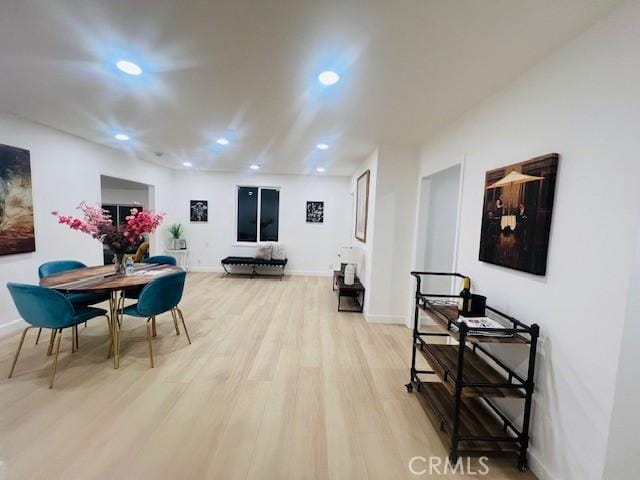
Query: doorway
[
  {"x": 438, "y": 218},
  {"x": 118, "y": 197}
]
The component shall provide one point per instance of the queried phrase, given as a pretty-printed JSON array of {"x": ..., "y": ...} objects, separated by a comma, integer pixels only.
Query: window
[{"x": 258, "y": 203}]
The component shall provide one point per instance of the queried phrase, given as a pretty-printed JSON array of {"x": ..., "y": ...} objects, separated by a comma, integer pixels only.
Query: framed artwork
[
  {"x": 17, "y": 231},
  {"x": 362, "y": 206},
  {"x": 516, "y": 215},
  {"x": 199, "y": 211},
  {"x": 315, "y": 212}
]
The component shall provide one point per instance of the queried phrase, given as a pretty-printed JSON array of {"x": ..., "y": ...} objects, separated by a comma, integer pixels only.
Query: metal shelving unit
[{"x": 466, "y": 376}]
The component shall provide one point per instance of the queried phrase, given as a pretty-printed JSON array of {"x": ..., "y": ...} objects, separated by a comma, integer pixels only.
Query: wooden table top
[{"x": 103, "y": 278}]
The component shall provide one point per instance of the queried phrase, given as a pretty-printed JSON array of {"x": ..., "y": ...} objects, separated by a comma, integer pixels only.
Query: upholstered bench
[{"x": 253, "y": 263}]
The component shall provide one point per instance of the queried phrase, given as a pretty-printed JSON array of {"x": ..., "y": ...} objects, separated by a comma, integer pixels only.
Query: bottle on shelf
[{"x": 464, "y": 302}]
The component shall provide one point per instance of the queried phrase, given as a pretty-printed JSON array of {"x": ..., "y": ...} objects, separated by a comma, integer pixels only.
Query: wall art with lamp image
[{"x": 516, "y": 216}]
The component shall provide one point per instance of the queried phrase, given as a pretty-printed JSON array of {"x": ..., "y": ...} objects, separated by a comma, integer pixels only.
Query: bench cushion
[{"x": 252, "y": 261}]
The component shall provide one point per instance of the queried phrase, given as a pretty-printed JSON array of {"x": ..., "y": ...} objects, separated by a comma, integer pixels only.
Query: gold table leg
[{"x": 114, "y": 303}]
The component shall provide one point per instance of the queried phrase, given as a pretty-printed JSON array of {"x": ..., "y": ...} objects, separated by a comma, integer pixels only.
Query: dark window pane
[
  {"x": 247, "y": 214},
  {"x": 124, "y": 211},
  {"x": 113, "y": 211},
  {"x": 269, "y": 204}
]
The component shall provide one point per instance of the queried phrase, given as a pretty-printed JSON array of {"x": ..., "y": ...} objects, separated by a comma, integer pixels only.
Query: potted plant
[
  {"x": 121, "y": 239},
  {"x": 175, "y": 231}
]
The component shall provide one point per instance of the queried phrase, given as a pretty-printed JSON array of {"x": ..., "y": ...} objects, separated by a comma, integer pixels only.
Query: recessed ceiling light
[
  {"x": 128, "y": 67},
  {"x": 328, "y": 77},
  {"x": 123, "y": 137},
  {"x": 255, "y": 167},
  {"x": 222, "y": 141},
  {"x": 187, "y": 164},
  {"x": 320, "y": 169},
  {"x": 322, "y": 146}
]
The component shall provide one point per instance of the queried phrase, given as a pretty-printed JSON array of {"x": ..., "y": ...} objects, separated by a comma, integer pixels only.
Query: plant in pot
[
  {"x": 121, "y": 239},
  {"x": 176, "y": 232}
]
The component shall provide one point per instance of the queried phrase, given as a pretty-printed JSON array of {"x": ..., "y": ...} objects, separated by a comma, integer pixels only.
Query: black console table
[
  {"x": 464, "y": 378},
  {"x": 355, "y": 291}
]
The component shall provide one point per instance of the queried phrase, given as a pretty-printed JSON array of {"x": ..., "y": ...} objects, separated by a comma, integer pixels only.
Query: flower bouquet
[{"x": 121, "y": 239}]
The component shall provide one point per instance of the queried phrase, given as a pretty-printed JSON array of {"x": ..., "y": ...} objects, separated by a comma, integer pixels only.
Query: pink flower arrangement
[{"x": 119, "y": 238}]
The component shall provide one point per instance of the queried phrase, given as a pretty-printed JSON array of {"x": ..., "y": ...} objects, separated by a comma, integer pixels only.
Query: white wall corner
[{"x": 9, "y": 328}]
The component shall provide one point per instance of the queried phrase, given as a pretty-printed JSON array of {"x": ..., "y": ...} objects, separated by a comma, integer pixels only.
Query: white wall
[
  {"x": 65, "y": 170},
  {"x": 582, "y": 102},
  {"x": 364, "y": 269},
  {"x": 623, "y": 448},
  {"x": 393, "y": 234},
  {"x": 312, "y": 248}
]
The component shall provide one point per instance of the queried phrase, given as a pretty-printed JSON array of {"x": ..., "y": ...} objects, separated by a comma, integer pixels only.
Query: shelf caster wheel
[
  {"x": 523, "y": 466},
  {"x": 409, "y": 387}
]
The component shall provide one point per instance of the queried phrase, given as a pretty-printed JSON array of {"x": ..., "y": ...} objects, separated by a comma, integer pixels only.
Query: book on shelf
[{"x": 483, "y": 322}]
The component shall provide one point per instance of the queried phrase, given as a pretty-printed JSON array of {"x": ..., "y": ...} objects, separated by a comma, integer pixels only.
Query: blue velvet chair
[
  {"x": 161, "y": 259},
  {"x": 159, "y": 296},
  {"x": 81, "y": 299},
  {"x": 134, "y": 293},
  {"x": 46, "y": 308},
  {"x": 60, "y": 266}
]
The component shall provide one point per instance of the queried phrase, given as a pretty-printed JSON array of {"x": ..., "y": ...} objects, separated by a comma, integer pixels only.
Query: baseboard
[
  {"x": 538, "y": 468},
  {"x": 300, "y": 273},
  {"x": 7, "y": 329},
  {"x": 205, "y": 269},
  {"x": 386, "y": 319}
]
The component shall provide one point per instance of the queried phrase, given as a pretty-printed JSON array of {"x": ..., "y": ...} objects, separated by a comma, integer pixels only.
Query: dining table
[{"x": 105, "y": 279}]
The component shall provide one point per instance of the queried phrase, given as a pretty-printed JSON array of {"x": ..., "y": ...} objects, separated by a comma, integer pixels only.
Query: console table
[{"x": 355, "y": 291}]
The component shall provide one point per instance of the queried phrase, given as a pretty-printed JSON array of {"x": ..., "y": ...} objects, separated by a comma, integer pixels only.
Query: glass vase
[{"x": 120, "y": 261}]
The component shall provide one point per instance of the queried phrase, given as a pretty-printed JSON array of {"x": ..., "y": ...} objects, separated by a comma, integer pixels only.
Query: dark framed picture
[
  {"x": 516, "y": 216},
  {"x": 362, "y": 206},
  {"x": 199, "y": 211},
  {"x": 315, "y": 212},
  {"x": 17, "y": 231}
]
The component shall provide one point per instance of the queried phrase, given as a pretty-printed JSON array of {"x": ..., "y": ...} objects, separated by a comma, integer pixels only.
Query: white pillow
[
  {"x": 263, "y": 251},
  {"x": 278, "y": 252}
]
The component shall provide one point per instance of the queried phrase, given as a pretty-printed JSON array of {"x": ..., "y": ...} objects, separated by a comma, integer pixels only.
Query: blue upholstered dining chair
[
  {"x": 82, "y": 299},
  {"x": 159, "y": 296},
  {"x": 161, "y": 259},
  {"x": 46, "y": 308},
  {"x": 134, "y": 293}
]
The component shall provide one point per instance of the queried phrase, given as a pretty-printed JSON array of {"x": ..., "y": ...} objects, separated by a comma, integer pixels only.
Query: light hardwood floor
[{"x": 277, "y": 385}]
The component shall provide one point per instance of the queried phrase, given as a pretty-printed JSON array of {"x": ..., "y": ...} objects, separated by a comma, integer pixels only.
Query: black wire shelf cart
[{"x": 466, "y": 376}]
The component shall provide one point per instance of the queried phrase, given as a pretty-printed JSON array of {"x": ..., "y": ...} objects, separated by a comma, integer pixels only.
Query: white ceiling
[{"x": 249, "y": 68}]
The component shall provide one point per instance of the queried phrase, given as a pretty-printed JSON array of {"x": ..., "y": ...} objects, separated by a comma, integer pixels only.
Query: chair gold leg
[
  {"x": 153, "y": 326},
  {"x": 38, "y": 337},
  {"x": 51, "y": 340},
  {"x": 149, "y": 342},
  {"x": 121, "y": 309},
  {"x": 175, "y": 320},
  {"x": 15, "y": 359},
  {"x": 184, "y": 325},
  {"x": 110, "y": 336},
  {"x": 55, "y": 359}
]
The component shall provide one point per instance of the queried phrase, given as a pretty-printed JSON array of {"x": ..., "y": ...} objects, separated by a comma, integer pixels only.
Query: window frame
[{"x": 260, "y": 188}]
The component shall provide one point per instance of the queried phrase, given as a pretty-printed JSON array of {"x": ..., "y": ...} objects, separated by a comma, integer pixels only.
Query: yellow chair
[{"x": 141, "y": 252}]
